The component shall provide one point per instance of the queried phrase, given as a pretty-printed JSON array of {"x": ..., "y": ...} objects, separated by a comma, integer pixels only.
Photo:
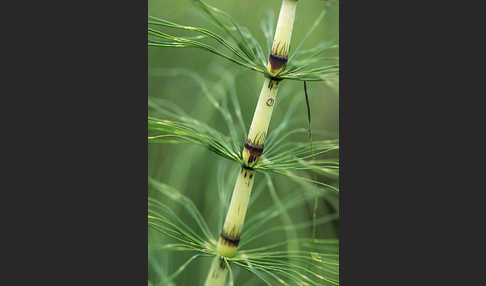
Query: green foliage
[
  {"x": 308, "y": 262},
  {"x": 280, "y": 157},
  {"x": 284, "y": 261},
  {"x": 239, "y": 46},
  {"x": 290, "y": 234}
]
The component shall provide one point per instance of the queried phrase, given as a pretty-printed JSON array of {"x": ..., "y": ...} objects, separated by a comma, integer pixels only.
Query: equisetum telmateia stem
[
  {"x": 217, "y": 272},
  {"x": 254, "y": 144}
]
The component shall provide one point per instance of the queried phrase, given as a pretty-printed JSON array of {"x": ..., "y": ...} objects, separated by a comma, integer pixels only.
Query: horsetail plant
[
  {"x": 276, "y": 67},
  {"x": 319, "y": 256},
  {"x": 254, "y": 145}
]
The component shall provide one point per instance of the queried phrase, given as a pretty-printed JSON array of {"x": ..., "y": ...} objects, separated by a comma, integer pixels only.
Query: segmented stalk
[
  {"x": 283, "y": 33},
  {"x": 217, "y": 273},
  {"x": 230, "y": 235}
]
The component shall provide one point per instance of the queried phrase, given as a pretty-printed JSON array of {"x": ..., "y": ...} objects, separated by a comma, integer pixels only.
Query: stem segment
[
  {"x": 230, "y": 235},
  {"x": 281, "y": 41},
  {"x": 261, "y": 119},
  {"x": 233, "y": 225},
  {"x": 254, "y": 144},
  {"x": 217, "y": 273}
]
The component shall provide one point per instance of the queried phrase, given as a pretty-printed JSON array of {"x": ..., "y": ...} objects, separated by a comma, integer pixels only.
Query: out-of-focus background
[{"x": 198, "y": 173}]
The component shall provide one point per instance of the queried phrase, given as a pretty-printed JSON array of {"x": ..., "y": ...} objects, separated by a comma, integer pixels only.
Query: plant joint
[
  {"x": 244, "y": 166},
  {"x": 254, "y": 151},
  {"x": 229, "y": 240}
]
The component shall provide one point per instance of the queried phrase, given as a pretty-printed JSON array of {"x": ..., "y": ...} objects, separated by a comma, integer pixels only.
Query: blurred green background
[{"x": 195, "y": 171}]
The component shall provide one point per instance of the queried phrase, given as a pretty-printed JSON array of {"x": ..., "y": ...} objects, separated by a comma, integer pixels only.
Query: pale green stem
[
  {"x": 217, "y": 272},
  {"x": 233, "y": 225}
]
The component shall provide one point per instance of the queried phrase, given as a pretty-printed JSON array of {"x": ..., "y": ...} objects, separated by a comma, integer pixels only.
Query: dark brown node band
[
  {"x": 229, "y": 241},
  {"x": 253, "y": 148},
  {"x": 246, "y": 167},
  {"x": 277, "y": 62},
  {"x": 255, "y": 151}
]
